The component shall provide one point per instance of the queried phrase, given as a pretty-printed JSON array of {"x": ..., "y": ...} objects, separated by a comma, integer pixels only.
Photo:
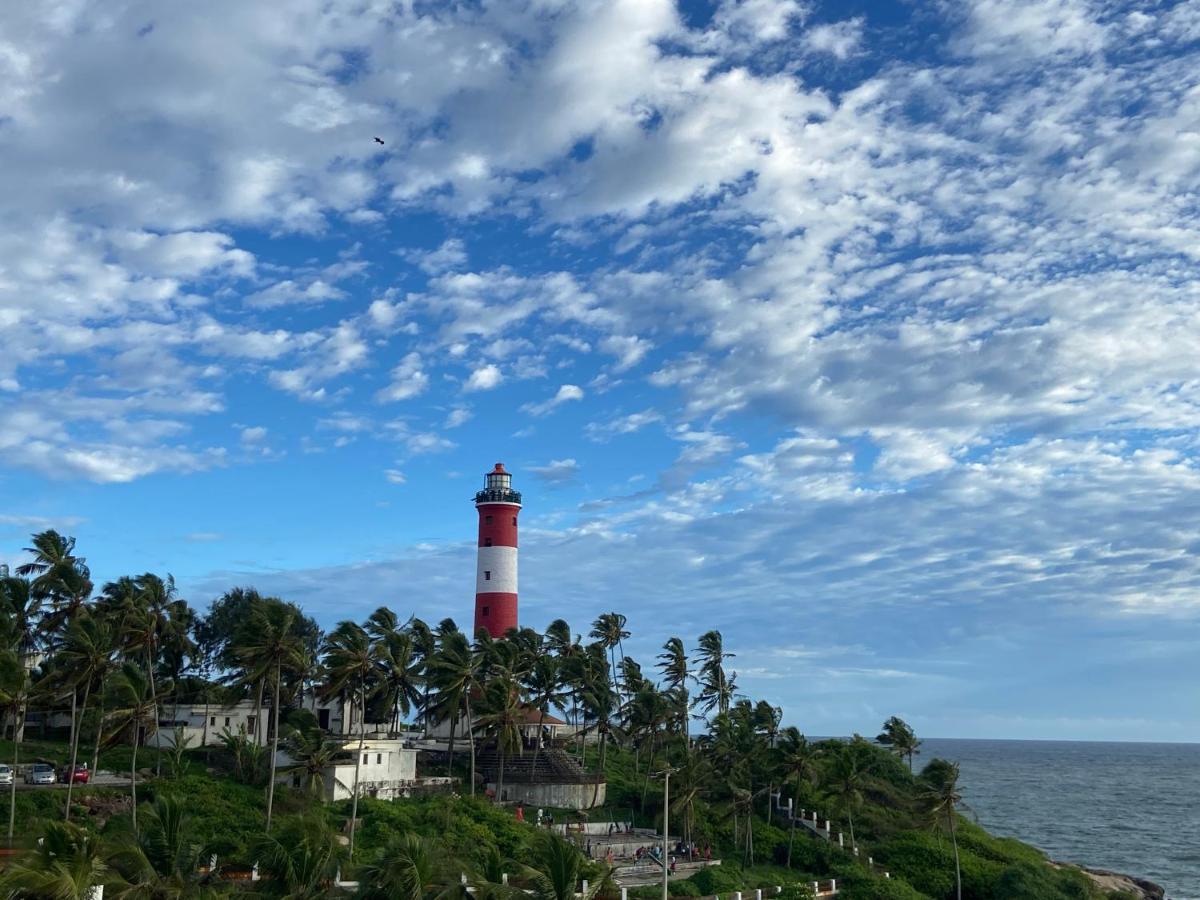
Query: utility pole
[{"x": 666, "y": 776}]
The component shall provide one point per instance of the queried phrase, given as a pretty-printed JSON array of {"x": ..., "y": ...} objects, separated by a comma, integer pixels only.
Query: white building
[
  {"x": 334, "y": 716},
  {"x": 388, "y": 770}
]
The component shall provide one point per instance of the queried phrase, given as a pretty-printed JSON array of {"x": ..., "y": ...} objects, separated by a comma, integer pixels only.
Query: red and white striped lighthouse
[{"x": 496, "y": 573}]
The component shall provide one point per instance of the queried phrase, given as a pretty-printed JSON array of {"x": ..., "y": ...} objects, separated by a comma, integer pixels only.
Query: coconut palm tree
[
  {"x": 555, "y": 870},
  {"x": 311, "y": 754},
  {"x": 350, "y": 661},
  {"x": 609, "y": 631},
  {"x": 399, "y": 670},
  {"x": 299, "y": 860},
  {"x": 717, "y": 687},
  {"x": 21, "y": 602},
  {"x": 599, "y": 702},
  {"x": 846, "y": 777},
  {"x": 67, "y": 864},
  {"x": 940, "y": 801},
  {"x": 899, "y": 737},
  {"x": 163, "y": 860},
  {"x": 501, "y": 716},
  {"x": 543, "y": 683},
  {"x": 408, "y": 868},
  {"x": 15, "y": 689},
  {"x": 87, "y": 654},
  {"x": 59, "y": 575},
  {"x": 268, "y": 650},
  {"x": 797, "y": 762},
  {"x": 455, "y": 674},
  {"x": 133, "y": 704}
]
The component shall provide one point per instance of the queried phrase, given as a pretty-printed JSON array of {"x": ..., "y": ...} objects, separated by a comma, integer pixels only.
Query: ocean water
[{"x": 1132, "y": 808}]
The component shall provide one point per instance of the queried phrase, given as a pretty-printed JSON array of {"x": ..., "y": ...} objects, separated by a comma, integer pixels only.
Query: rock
[{"x": 1116, "y": 881}]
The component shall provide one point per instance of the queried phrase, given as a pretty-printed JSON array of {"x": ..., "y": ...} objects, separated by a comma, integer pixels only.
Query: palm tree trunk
[
  {"x": 471, "y": 741},
  {"x": 74, "y": 699},
  {"x": 204, "y": 734},
  {"x": 133, "y": 773},
  {"x": 850, "y": 816},
  {"x": 274, "y": 745},
  {"x": 500, "y": 780},
  {"x": 792, "y": 830},
  {"x": 99, "y": 736},
  {"x": 87, "y": 690},
  {"x": 957, "y": 867},
  {"x": 258, "y": 714},
  {"x": 154, "y": 705},
  {"x": 362, "y": 740},
  {"x": 537, "y": 743},
  {"x": 12, "y": 791},
  {"x": 600, "y": 768},
  {"x": 450, "y": 764}
]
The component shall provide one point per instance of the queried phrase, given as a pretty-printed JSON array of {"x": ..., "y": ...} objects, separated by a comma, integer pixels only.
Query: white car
[
  {"x": 6, "y": 774},
  {"x": 40, "y": 773}
]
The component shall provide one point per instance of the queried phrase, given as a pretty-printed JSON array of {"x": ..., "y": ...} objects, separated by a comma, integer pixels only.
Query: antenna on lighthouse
[{"x": 498, "y": 506}]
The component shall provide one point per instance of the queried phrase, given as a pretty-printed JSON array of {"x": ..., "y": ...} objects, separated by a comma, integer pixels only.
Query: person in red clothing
[{"x": 520, "y": 812}]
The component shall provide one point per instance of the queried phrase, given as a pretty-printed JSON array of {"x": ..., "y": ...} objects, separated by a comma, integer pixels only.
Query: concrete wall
[{"x": 564, "y": 796}]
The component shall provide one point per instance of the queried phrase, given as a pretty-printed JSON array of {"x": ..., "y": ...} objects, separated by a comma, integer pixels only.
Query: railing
[{"x": 500, "y": 495}]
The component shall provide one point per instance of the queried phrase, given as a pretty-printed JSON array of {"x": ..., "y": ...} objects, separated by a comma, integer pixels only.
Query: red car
[{"x": 81, "y": 775}]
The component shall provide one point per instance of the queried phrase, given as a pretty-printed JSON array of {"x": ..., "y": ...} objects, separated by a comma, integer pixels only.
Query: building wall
[{"x": 564, "y": 796}]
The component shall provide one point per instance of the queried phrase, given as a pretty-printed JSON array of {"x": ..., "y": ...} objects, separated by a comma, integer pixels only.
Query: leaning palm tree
[
  {"x": 311, "y": 754},
  {"x": 350, "y": 659},
  {"x": 59, "y": 575},
  {"x": 68, "y": 864},
  {"x": 87, "y": 655},
  {"x": 940, "y": 801},
  {"x": 847, "y": 776},
  {"x": 164, "y": 859},
  {"x": 455, "y": 673},
  {"x": 133, "y": 703},
  {"x": 270, "y": 649},
  {"x": 609, "y": 631}
]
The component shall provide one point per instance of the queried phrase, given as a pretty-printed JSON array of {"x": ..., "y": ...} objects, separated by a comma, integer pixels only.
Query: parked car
[
  {"x": 6, "y": 774},
  {"x": 81, "y": 775},
  {"x": 40, "y": 773}
]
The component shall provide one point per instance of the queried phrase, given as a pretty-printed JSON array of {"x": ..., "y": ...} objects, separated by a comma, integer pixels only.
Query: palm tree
[
  {"x": 940, "y": 801},
  {"x": 717, "y": 687},
  {"x": 60, "y": 576},
  {"x": 399, "y": 670},
  {"x": 797, "y": 760},
  {"x": 609, "y": 631},
  {"x": 87, "y": 654},
  {"x": 67, "y": 864},
  {"x": 454, "y": 671},
  {"x": 300, "y": 860},
  {"x": 15, "y": 689},
  {"x": 163, "y": 860},
  {"x": 350, "y": 659},
  {"x": 424, "y": 648},
  {"x": 502, "y": 718},
  {"x": 543, "y": 682},
  {"x": 600, "y": 703},
  {"x": 847, "y": 776},
  {"x": 311, "y": 754},
  {"x": 269, "y": 649},
  {"x": 899, "y": 737},
  {"x": 22, "y": 603},
  {"x": 133, "y": 699},
  {"x": 556, "y": 869},
  {"x": 407, "y": 869}
]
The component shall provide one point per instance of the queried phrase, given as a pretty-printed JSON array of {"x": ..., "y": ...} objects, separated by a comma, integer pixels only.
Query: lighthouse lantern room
[{"x": 496, "y": 571}]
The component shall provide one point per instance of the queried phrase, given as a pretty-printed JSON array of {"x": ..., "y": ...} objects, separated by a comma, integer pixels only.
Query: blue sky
[{"x": 864, "y": 332}]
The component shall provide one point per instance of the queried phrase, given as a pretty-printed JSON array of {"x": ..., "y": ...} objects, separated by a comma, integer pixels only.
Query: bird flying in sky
[{"x": 379, "y": 140}]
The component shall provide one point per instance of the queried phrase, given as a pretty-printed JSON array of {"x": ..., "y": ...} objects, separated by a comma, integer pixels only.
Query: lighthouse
[{"x": 496, "y": 571}]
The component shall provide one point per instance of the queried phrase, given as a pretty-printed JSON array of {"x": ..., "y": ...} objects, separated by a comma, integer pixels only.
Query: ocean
[{"x": 1131, "y": 808}]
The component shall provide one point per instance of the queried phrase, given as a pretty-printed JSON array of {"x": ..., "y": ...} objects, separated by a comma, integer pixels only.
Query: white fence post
[
  {"x": 254, "y": 873},
  {"x": 504, "y": 878},
  {"x": 624, "y": 893},
  {"x": 816, "y": 887},
  {"x": 758, "y": 894},
  {"x": 833, "y": 884},
  {"x": 585, "y": 887},
  {"x": 841, "y": 842}
]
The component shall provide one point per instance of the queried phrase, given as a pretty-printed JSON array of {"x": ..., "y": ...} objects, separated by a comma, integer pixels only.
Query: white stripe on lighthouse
[{"x": 497, "y": 571}]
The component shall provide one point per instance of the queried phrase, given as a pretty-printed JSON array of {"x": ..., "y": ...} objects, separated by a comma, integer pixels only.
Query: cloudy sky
[{"x": 866, "y": 332}]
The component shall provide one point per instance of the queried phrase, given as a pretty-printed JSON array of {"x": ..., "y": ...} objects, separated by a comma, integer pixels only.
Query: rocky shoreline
[{"x": 1116, "y": 881}]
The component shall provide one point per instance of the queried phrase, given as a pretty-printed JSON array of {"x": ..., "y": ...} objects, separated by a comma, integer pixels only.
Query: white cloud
[
  {"x": 557, "y": 471},
  {"x": 484, "y": 378},
  {"x": 254, "y": 435},
  {"x": 394, "y": 476},
  {"x": 838, "y": 39},
  {"x": 408, "y": 380},
  {"x": 565, "y": 394}
]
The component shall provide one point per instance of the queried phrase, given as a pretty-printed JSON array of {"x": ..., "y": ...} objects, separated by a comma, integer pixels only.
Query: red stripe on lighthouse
[{"x": 498, "y": 506}]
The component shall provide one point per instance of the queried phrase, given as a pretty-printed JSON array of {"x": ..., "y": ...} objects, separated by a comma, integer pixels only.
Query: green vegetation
[{"x": 118, "y": 665}]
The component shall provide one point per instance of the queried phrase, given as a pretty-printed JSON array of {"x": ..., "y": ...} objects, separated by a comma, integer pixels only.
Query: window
[
  {"x": 485, "y": 612},
  {"x": 379, "y": 759},
  {"x": 487, "y": 520},
  {"x": 366, "y": 759},
  {"x": 487, "y": 542},
  {"x": 227, "y": 721},
  {"x": 487, "y": 575},
  {"x": 212, "y": 721},
  {"x": 514, "y": 520}
]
